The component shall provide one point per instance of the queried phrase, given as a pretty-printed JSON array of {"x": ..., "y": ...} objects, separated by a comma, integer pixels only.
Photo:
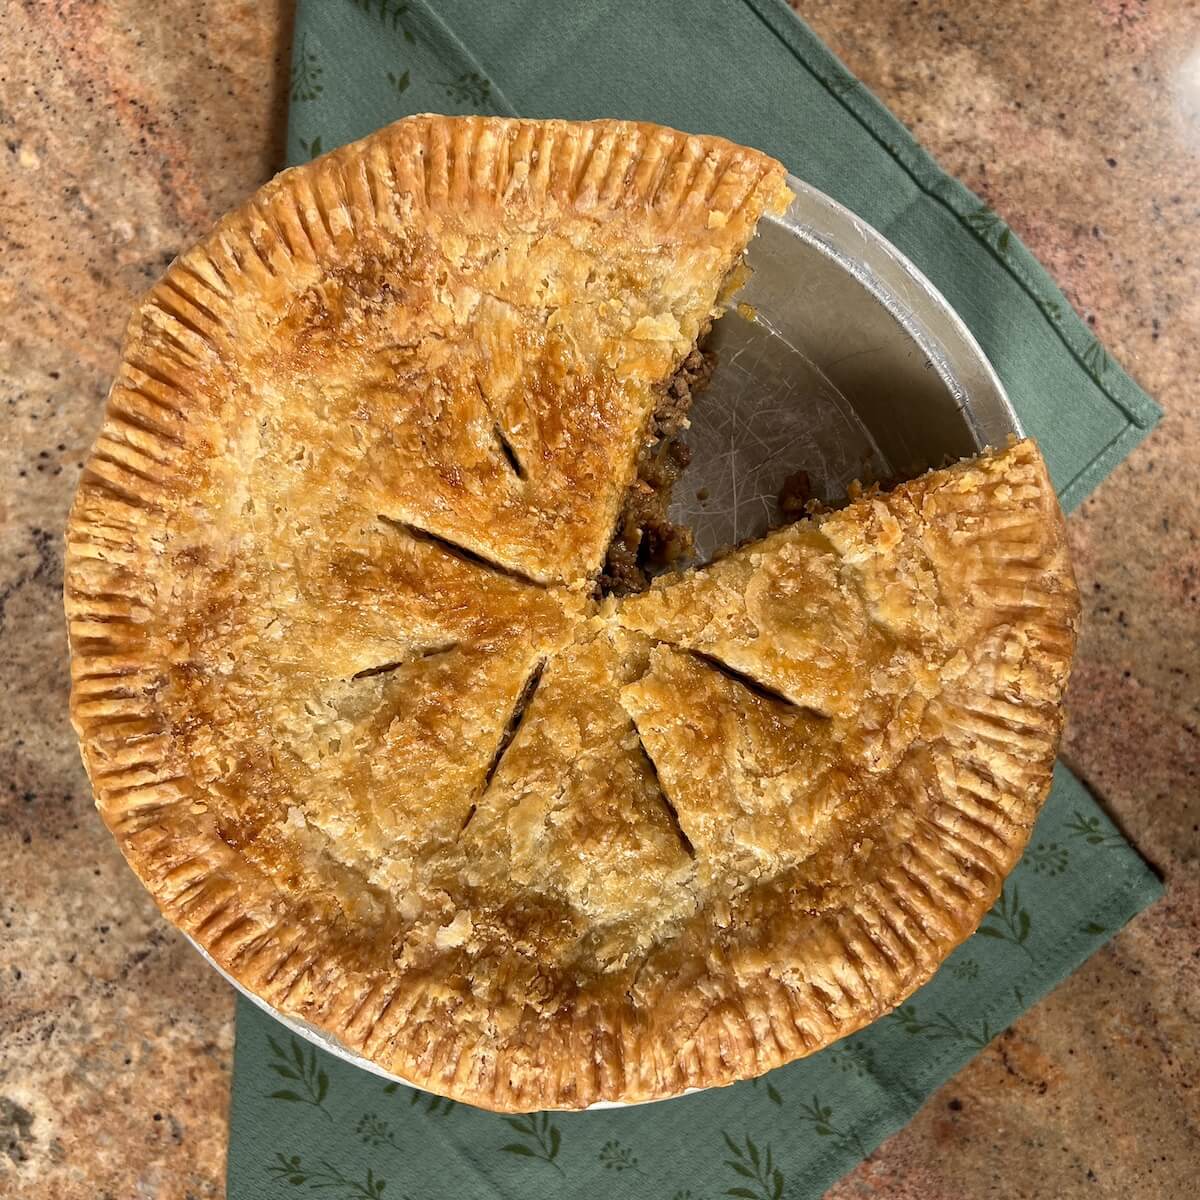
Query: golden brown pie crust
[{"x": 353, "y": 718}]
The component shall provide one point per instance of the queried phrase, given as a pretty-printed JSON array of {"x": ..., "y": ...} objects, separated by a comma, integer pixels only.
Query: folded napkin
[{"x": 303, "y": 1121}]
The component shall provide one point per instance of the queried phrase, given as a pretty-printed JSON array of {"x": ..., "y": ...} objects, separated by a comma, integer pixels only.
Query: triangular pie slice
[
  {"x": 334, "y": 714},
  {"x": 576, "y": 814},
  {"x": 379, "y": 772},
  {"x": 867, "y": 614},
  {"x": 471, "y": 318},
  {"x": 242, "y": 649},
  {"x": 755, "y": 780},
  {"x": 952, "y": 601}
]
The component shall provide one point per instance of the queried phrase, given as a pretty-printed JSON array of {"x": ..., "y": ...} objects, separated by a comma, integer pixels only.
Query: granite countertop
[{"x": 128, "y": 128}]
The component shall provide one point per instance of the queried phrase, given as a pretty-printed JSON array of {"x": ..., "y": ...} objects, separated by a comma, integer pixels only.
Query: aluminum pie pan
[{"x": 839, "y": 359}]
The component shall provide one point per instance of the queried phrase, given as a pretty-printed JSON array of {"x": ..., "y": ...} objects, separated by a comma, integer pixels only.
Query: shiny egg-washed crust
[{"x": 353, "y": 719}]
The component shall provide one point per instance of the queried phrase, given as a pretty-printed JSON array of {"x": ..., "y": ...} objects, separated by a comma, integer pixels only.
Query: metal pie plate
[{"x": 840, "y": 359}]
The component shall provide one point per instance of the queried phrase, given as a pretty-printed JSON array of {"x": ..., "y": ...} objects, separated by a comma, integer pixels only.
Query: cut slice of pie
[
  {"x": 355, "y": 717},
  {"x": 872, "y": 615},
  {"x": 464, "y": 325},
  {"x": 575, "y": 814},
  {"x": 754, "y": 780}
]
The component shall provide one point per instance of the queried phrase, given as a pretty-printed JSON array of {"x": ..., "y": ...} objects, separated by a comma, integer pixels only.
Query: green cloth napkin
[{"x": 304, "y": 1122}]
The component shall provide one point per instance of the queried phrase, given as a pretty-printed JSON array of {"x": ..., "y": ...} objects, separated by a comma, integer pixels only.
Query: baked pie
[{"x": 362, "y": 720}]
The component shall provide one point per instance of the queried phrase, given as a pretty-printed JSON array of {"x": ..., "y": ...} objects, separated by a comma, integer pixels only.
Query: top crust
[
  {"x": 463, "y": 319},
  {"x": 351, "y": 717}
]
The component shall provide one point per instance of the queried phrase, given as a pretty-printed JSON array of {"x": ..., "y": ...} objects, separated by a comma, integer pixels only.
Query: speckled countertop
[{"x": 128, "y": 128}]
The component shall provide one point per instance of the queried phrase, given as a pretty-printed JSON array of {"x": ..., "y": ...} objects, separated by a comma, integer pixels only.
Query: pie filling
[{"x": 646, "y": 541}]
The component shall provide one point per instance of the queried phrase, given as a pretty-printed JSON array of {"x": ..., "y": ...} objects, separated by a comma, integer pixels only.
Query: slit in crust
[
  {"x": 514, "y": 722},
  {"x": 668, "y": 806}
]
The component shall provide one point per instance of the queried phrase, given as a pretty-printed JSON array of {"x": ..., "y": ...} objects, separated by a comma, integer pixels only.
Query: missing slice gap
[
  {"x": 645, "y": 540},
  {"x": 668, "y": 807},
  {"x": 462, "y": 553}
]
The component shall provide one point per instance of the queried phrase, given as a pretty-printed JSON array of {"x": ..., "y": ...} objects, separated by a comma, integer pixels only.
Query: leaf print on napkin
[
  {"x": 941, "y": 1027},
  {"x": 391, "y": 13},
  {"x": 542, "y": 1139},
  {"x": 311, "y": 1084},
  {"x": 759, "y": 1169},
  {"x": 821, "y": 1118},
  {"x": 616, "y": 1157},
  {"x": 1092, "y": 832},
  {"x": 306, "y": 74},
  {"x": 990, "y": 227},
  {"x": 375, "y": 1132},
  {"x": 327, "y": 1178},
  {"x": 1052, "y": 308},
  {"x": 1096, "y": 361},
  {"x": 470, "y": 88},
  {"x": 964, "y": 968},
  {"x": 437, "y": 1105},
  {"x": 1048, "y": 858},
  {"x": 1012, "y": 922},
  {"x": 851, "y": 1056}
]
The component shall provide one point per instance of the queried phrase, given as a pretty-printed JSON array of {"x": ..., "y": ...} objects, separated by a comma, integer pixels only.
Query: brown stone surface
[
  {"x": 128, "y": 127},
  {"x": 1079, "y": 122}
]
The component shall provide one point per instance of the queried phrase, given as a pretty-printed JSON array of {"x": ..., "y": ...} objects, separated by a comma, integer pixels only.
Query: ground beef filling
[
  {"x": 646, "y": 541},
  {"x": 795, "y": 497}
]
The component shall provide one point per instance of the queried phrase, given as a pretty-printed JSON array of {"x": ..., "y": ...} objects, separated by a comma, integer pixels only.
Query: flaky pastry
[{"x": 356, "y": 717}]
